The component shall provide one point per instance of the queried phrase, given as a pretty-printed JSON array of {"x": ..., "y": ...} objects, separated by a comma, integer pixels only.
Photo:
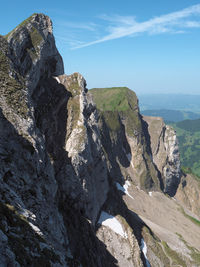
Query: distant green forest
[{"x": 188, "y": 133}]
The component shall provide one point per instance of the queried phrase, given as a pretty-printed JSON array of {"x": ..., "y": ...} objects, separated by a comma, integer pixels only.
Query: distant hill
[
  {"x": 188, "y": 132},
  {"x": 170, "y": 102},
  {"x": 171, "y": 115},
  {"x": 189, "y": 125}
]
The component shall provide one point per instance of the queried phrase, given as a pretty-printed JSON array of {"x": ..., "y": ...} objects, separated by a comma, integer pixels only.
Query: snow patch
[
  {"x": 57, "y": 79},
  {"x": 150, "y": 194},
  {"x": 27, "y": 213},
  {"x": 144, "y": 250},
  {"x": 110, "y": 221},
  {"x": 124, "y": 188},
  {"x": 36, "y": 229}
]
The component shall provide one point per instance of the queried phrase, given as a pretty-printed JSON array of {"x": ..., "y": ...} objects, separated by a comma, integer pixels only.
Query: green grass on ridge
[
  {"x": 114, "y": 98},
  {"x": 115, "y": 103}
]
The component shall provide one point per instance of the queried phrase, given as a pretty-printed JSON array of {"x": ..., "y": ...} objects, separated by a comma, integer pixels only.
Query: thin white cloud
[
  {"x": 174, "y": 22},
  {"x": 70, "y": 40},
  {"x": 116, "y": 19},
  {"x": 192, "y": 24},
  {"x": 74, "y": 25}
]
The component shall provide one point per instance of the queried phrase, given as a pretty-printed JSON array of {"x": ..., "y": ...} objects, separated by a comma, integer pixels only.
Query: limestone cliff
[
  {"x": 51, "y": 153},
  {"x": 128, "y": 151},
  {"x": 188, "y": 193},
  {"x": 165, "y": 152},
  {"x": 79, "y": 181}
]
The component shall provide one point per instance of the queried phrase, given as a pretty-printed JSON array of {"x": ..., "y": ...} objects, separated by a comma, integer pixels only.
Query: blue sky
[{"x": 149, "y": 46}]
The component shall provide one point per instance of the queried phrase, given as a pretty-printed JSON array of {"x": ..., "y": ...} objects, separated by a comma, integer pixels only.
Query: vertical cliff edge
[{"x": 83, "y": 176}]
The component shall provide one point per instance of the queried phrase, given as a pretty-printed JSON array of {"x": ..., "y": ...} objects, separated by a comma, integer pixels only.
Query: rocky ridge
[
  {"x": 73, "y": 172},
  {"x": 165, "y": 153}
]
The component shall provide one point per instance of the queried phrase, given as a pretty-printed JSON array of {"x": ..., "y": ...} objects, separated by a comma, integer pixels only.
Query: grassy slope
[
  {"x": 13, "y": 89},
  {"x": 188, "y": 133},
  {"x": 115, "y": 101},
  {"x": 114, "y": 98},
  {"x": 10, "y": 88},
  {"x": 20, "y": 25}
]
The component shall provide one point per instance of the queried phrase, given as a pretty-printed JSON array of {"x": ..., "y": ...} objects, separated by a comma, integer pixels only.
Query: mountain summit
[{"x": 85, "y": 179}]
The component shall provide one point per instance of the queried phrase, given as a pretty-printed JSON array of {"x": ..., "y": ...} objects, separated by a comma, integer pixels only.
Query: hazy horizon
[
  {"x": 158, "y": 94},
  {"x": 174, "y": 94}
]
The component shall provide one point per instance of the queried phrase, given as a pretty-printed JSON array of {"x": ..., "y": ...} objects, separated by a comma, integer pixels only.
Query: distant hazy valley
[{"x": 178, "y": 102}]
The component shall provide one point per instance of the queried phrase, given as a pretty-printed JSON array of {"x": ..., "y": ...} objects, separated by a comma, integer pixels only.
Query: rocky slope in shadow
[
  {"x": 129, "y": 150},
  {"x": 52, "y": 163},
  {"x": 69, "y": 168}
]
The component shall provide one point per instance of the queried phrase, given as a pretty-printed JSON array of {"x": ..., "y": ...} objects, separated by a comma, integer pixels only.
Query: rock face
[
  {"x": 28, "y": 184},
  {"x": 124, "y": 139},
  {"x": 165, "y": 153},
  {"x": 188, "y": 193},
  {"x": 50, "y": 145},
  {"x": 76, "y": 178}
]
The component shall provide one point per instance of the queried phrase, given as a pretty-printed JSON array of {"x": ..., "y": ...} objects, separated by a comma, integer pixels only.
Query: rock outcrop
[
  {"x": 50, "y": 145},
  {"x": 79, "y": 181},
  {"x": 188, "y": 193},
  {"x": 28, "y": 184},
  {"x": 165, "y": 152},
  {"x": 123, "y": 137}
]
